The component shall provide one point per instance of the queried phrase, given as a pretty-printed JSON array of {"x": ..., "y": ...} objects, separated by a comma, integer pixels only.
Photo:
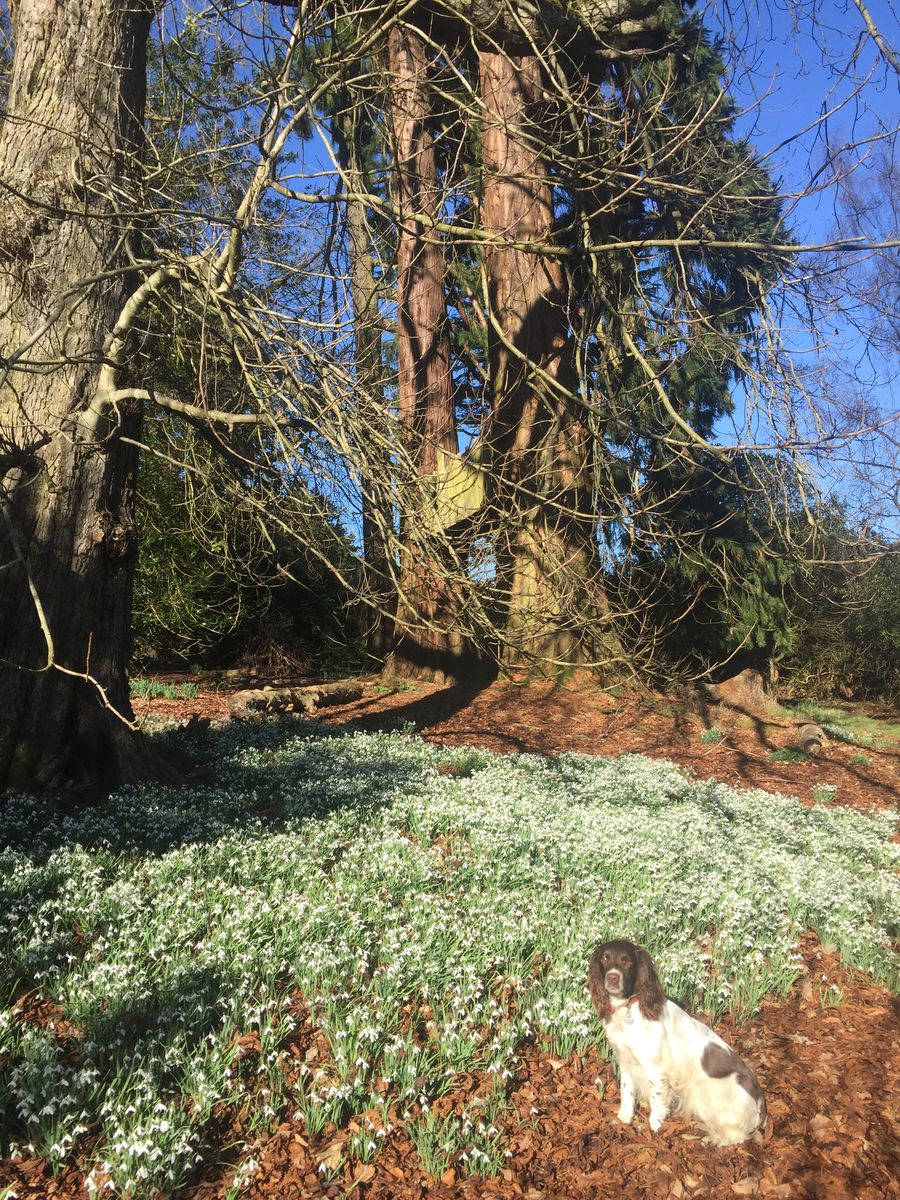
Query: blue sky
[
  {"x": 819, "y": 99},
  {"x": 811, "y": 82}
]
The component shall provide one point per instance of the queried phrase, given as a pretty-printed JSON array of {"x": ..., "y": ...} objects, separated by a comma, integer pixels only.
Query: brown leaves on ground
[
  {"x": 831, "y": 1074},
  {"x": 831, "y": 1081},
  {"x": 547, "y": 718}
]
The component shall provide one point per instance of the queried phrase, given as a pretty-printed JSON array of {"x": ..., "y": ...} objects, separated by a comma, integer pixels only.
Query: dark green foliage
[
  {"x": 213, "y": 584},
  {"x": 744, "y": 574},
  {"x": 788, "y": 755},
  {"x": 722, "y": 573},
  {"x": 238, "y": 553},
  {"x": 692, "y": 308},
  {"x": 151, "y": 689},
  {"x": 848, "y": 627},
  {"x": 698, "y": 539}
]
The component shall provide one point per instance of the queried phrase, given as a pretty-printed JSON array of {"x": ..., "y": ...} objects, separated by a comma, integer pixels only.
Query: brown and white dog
[{"x": 667, "y": 1057}]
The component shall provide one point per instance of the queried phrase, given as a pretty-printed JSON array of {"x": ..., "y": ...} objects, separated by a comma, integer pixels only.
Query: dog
[{"x": 665, "y": 1056}]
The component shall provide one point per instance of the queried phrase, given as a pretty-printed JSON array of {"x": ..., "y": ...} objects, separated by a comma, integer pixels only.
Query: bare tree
[
  {"x": 354, "y": 135},
  {"x": 617, "y": 251}
]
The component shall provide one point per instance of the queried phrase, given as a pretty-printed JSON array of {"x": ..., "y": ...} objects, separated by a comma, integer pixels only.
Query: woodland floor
[{"x": 831, "y": 1075}]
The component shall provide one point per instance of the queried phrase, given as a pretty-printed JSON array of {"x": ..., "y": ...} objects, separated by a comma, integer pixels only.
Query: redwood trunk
[
  {"x": 547, "y": 559},
  {"x": 427, "y": 645},
  {"x": 68, "y": 146}
]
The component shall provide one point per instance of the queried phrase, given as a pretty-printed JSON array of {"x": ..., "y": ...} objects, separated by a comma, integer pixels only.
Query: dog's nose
[{"x": 613, "y": 979}]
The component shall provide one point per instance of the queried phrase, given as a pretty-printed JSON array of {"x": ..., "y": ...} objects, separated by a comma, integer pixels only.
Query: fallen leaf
[
  {"x": 332, "y": 1156},
  {"x": 449, "y": 1176},
  {"x": 746, "y": 1187},
  {"x": 822, "y": 1127},
  {"x": 363, "y": 1173}
]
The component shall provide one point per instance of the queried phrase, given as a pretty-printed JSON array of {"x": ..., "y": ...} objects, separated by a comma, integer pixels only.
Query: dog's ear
[
  {"x": 650, "y": 996},
  {"x": 599, "y": 994}
]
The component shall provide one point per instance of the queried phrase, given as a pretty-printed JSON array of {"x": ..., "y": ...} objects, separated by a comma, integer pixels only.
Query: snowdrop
[{"x": 422, "y": 924}]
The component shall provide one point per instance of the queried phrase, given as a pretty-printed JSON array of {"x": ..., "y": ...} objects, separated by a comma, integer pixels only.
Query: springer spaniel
[{"x": 666, "y": 1056}]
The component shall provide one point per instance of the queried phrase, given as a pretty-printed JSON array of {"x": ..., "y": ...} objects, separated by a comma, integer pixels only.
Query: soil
[
  {"x": 546, "y": 718},
  {"x": 831, "y": 1073}
]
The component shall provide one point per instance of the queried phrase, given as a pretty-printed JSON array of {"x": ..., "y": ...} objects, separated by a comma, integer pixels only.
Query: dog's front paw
[
  {"x": 656, "y": 1121},
  {"x": 626, "y": 1114}
]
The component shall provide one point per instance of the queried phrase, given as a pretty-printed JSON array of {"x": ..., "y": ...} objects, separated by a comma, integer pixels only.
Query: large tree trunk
[
  {"x": 68, "y": 153},
  {"x": 540, "y": 446},
  {"x": 427, "y": 644}
]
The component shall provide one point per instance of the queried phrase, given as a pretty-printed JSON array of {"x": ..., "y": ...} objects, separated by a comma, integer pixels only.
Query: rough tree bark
[
  {"x": 69, "y": 151},
  {"x": 601, "y": 28},
  {"x": 545, "y": 620},
  {"x": 426, "y": 644},
  {"x": 540, "y": 447}
]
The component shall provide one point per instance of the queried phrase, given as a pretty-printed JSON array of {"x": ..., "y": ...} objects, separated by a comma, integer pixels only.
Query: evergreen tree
[{"x": 613, "y": 365}]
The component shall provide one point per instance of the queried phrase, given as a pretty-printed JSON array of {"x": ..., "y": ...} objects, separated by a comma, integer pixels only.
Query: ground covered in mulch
[
  {"x": 830, "y": 1071},
  {"x": 833, "y": 1130},
  {"x": 546, "y": 718}
]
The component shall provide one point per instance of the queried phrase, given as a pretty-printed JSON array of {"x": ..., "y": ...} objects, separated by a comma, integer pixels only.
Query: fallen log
[{"x": 252, "y": 702}]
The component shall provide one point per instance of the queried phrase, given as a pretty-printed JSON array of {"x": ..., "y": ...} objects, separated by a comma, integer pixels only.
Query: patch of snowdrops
[{"x": 426, "y": 923}]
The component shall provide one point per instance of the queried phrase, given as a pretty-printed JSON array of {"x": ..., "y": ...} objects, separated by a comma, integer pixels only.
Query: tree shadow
[
  {"x": 746, "y": 765},
  {"x": 152, "y": 820},
  {"x": 421, "y": 711}
]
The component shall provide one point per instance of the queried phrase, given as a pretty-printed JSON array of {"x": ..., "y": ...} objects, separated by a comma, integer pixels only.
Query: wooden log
[{"x": 293, "y": 699}]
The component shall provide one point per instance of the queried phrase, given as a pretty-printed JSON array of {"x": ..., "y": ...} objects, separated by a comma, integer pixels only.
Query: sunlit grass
[
  {"x": 847, "y": 725},
  {"x": 155, "y": 689},
  {"x": 423, "y": 911}
]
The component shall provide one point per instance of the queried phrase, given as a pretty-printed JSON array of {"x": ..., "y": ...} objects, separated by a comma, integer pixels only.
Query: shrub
[
  {"x": 787, "y": 754},
  {"x": 711, "y": 736}
]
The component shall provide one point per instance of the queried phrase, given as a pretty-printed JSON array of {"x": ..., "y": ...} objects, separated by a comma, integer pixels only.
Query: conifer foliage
[{"x": 477, "y": 305}]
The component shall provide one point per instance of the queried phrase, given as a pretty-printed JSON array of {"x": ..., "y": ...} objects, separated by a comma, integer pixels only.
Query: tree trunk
[
  {"x": 69, "y": 150},
  {"x": 427, "y": 646},
  {"x": 601, "y": 29},
  {"x": 350, "y": 143},
  {"x": 540, "y": 446}
]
